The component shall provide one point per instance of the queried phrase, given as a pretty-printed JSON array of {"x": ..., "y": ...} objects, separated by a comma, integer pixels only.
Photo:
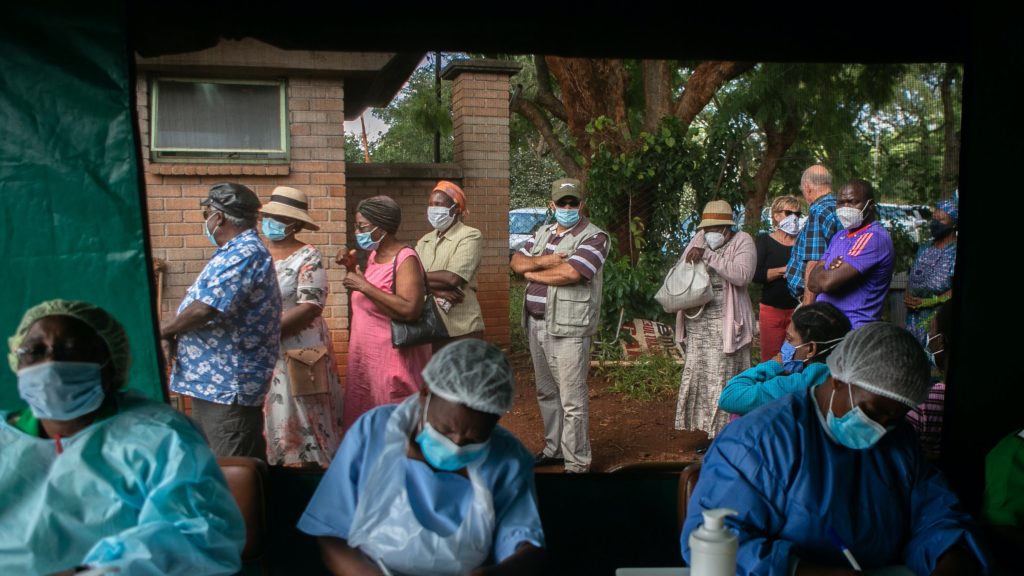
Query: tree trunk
[
  {"x": 777, "y": 142},
  {"x": 657, "y": 92},
  {"x": 592, "y": 88},
  {"x": 702, "y": 85},
  {"x": 950, "y": 134},
  {"x": 535, "y": 115}
]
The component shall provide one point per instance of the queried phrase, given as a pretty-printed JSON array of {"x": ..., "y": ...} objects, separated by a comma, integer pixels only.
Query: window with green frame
[{"x": 226, "y": 121}]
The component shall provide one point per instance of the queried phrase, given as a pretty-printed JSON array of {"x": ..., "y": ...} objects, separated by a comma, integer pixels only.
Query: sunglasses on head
[{"x": 567, "y": 203}]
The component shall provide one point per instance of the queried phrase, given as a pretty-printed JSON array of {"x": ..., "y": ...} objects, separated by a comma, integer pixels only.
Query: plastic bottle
[{"x": 712, "y": 546}]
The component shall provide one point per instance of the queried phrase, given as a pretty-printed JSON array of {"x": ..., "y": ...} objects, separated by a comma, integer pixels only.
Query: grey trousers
[
  {"x": 561, "y": 365},
  {"x": 231, "y": 429}
]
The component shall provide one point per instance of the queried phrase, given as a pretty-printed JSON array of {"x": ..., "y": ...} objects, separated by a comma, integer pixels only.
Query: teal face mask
[
  {"x": 443, "y": 454},
  {"x": 567, "y": 217},
  {"x": 365, "y": 240},
  {"x": 206, "y": 230},
  {"x": 61, "y": 390},
  {"x": 274, "y": 230},
  {"x": 855, "y": 429}
]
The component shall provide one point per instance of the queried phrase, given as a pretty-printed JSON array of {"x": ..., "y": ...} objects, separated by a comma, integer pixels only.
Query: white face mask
[
  {"x": 790, "y": 225},
  {"x": 715, "y": 240},
  {"x": 851, "y": 217},
  {"x": 440, "y": 218}
]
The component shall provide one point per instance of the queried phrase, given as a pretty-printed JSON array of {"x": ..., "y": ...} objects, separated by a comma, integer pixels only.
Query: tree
[{"x": 413, "y": 117}]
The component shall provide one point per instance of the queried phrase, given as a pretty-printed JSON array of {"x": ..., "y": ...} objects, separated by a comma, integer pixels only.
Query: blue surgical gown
[
  {"x": 439, "y": 499},
  {"x": 790, "y": 482},
  {"x": 139, "y": 490}
]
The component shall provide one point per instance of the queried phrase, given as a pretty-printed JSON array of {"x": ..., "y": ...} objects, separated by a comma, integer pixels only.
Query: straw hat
[
  {"x": 289, "y": 203},
  {"x": 716, "y": 213}
]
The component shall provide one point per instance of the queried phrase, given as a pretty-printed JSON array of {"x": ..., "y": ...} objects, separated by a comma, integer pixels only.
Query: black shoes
[{"x": 540, "y": 459}]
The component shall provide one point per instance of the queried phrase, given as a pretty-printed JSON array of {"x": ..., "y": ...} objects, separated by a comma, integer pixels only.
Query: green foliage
[
  {"x": 531, "y": 175},
  {"x": 517, "y": 292},
  {"x": 412, "y": 118},
  {"x": 630, "y": 289},
  {"x": 353, "y": 149},
  {"x": 651, "y": 377}
]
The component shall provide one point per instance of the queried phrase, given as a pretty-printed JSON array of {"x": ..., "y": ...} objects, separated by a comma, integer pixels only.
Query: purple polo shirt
[{"x": 869, "y": 249}]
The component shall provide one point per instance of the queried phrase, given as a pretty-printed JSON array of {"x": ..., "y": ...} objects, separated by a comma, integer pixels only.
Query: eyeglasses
[
  {"x": 568, "y": 203},
  {"x": 365, "y": 227}
]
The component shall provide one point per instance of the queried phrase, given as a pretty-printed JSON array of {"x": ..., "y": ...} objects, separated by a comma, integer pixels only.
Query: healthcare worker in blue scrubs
[
  {"x": 94, "y": 477},
  {"x": 433, "y": 485},
  {"x": 839, "y": 458}
]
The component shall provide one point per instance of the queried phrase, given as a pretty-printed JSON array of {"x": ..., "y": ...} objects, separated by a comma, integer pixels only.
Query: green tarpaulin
[{"x": 71, "y": 212}]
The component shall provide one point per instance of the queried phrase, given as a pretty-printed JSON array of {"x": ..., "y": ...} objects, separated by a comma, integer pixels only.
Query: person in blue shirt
[
  {"x": 433, "y": 485},
  {"x": 839, "y": 458},
  {"x": 813, "y": 332},
  {"x": 95, "y": 477},
  {"x": 225, "y": 338}
]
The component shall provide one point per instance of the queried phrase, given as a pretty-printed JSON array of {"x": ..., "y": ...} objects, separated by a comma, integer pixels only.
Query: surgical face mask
[
  {"x": 715, "y": 240},
  {"x": 790, "y": 225},
  {"x": 855, "y": 429},
  {"x": 939, "y": 229},
  {"x": 567, "y": 217},
  {"x": 206, "y": 230},
  {"x": 788, "y": 363},
  {"x": 443, "y": 454},
  {"x": 365, "y": 240},
  {"x": 61, "y": 390},
  {"x": 274, "y": 230},
  {"x": 440, "y": 217},
  {"x": 851, "y": 217}
]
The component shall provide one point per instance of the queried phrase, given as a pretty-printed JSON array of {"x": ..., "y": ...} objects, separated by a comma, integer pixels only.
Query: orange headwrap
[{"x": 454, "y": 192}]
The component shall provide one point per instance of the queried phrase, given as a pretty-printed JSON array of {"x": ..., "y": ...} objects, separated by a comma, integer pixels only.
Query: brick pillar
[{"x": 480, "y": 92}]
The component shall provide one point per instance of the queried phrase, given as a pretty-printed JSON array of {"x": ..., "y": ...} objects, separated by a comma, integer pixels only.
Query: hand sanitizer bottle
[{"x": 713, "y": 546}]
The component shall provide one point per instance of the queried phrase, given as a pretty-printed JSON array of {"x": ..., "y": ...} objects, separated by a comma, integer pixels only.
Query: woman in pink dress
[{"x": 379, "y": 373}]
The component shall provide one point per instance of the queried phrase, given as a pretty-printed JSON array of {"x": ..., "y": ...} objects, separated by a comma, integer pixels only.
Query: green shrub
[
  {"x": 517, "y": 291},
  {"x": 651, "y": 377}
]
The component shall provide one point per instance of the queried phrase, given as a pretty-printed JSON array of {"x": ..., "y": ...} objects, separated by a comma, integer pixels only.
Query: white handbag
[{"x": 687, "y": 285}]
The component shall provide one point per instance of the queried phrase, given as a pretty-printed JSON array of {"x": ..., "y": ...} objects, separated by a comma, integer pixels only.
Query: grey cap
[
  {"x": 473, "y": 373},
  {"x": 233, "y": 199}
]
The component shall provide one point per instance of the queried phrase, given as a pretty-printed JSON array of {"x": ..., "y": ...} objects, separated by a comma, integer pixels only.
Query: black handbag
[{"x": 429, "y": 328}]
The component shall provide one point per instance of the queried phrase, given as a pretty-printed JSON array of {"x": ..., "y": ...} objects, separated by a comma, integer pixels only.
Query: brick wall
[
  {"x": 480, "y": 92},
  {"x": 173, "y": 191}
]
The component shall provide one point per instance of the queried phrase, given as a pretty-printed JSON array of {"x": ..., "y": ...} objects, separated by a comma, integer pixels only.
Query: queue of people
[{"x": 420, "y": 477}]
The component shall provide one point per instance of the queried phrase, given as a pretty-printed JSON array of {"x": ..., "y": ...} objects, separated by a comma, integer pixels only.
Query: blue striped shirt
[{"x": 812, "y": 241}]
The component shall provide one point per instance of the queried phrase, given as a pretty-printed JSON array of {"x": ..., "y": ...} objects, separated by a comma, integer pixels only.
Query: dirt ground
[{"x": 621, "y": 430}]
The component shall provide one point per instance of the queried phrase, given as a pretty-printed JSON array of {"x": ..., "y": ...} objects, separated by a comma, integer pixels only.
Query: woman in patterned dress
[
  {"x": 931, "y": 275},
  {"x": 717, "y": 337},
  {"x": 303, "y": 427}
]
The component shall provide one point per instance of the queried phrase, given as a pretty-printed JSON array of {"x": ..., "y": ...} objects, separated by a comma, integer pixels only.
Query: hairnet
[
  {"x": 472, "y": 373},
  {"x": 381, "y": 211},
  {"x": 884, "y": 359},
  {"x": 106, "y": 326}
]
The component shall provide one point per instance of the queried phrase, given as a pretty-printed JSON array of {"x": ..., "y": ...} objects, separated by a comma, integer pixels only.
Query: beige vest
[{"x": 575, "y": 309}]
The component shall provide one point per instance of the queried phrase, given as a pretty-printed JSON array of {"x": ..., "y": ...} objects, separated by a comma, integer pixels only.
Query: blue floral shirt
[{"x": 230, "y": 359}]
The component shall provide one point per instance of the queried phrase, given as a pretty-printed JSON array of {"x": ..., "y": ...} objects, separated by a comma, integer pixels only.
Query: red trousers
[{"x": 773, "y": 322}]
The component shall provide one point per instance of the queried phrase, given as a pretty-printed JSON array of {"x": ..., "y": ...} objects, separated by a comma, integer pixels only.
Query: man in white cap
[{"x": 563, "y": 263}]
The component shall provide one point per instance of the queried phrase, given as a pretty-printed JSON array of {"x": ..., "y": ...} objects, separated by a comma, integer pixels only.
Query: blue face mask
[
  {"x": 61, "y": 390},
  {"x": 365, "y": 240},
  {"x": 443, "y": 454},
  {"x": 206, "y": 230},
  {"x": 274, "y": 230},
  {"x": 567, "y": 217},
  {"x": 787, "y": 352},
  {"x": 855, "y": 429}
]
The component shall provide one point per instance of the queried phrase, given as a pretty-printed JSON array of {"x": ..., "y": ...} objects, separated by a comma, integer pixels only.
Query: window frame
[{"x": 219, "y": 155}]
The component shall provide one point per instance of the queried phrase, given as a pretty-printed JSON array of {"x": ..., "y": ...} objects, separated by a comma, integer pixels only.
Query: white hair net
[
  {"x": 106, "y": 326},
  {"x": 884, "y": 359},
  {"x": 472, "y": 373}
]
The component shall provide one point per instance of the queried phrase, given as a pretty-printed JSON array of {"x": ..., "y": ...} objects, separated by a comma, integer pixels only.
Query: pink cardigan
[{"x": 736, "y": 266}]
